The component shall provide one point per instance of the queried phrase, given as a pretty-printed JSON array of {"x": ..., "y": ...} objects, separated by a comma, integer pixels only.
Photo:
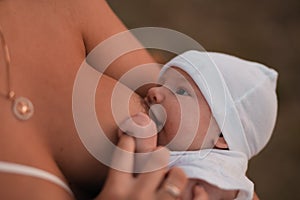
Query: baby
[{"x": 214, "y": 112}]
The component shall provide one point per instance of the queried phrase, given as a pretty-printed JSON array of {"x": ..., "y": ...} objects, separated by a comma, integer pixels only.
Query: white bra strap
[{"x": 31, "y": 171}]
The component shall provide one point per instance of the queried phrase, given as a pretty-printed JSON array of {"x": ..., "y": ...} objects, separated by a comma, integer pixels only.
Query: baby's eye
[{"x": 183, "y": 92}]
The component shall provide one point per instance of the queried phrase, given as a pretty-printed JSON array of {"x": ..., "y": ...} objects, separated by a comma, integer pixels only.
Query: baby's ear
[{"x": 221, "y": 143}]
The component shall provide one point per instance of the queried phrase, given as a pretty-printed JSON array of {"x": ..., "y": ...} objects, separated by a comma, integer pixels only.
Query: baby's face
[{"x": 183, "y": 111}]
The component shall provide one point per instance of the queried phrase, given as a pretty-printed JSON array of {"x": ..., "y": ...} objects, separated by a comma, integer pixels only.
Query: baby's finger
[{"x": 173, "y": 186}]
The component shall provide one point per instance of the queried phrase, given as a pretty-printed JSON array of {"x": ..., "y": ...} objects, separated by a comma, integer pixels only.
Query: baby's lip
[
  {"x": 148, "y": 107},
  {"x": 158, "y": 115},
  {"x": 154, "y": 118}
]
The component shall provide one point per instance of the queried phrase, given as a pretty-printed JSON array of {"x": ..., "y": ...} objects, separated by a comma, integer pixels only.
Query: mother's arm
[{"x": 98, "y": 23}]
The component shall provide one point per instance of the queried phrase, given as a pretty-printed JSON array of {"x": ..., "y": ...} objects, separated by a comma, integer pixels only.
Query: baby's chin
[
  {"x": 161, "y": 139},
  {"x": 172, "y": 145}
]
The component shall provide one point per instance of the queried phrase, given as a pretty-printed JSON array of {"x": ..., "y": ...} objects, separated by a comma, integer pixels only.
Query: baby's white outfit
[
  {"x": 222, "y": 168},
  {"x": 242, "y": 97}
]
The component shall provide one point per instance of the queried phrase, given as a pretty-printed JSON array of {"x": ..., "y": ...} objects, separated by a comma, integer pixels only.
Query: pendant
[{"x": 22, "y": 108}]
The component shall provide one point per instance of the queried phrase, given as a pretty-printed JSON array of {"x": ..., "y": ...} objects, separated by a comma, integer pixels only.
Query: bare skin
[{"x": 48, "y": 41}]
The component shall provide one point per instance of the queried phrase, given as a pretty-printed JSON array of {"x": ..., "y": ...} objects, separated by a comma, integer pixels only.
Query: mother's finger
[
  {"x": 199, "y": 193},
  {"x": 173, "y": 186},
  {"x": 153, "y": 172},
  {"x": 122, "y": 162},
  {"x": 143, "y": 129}
]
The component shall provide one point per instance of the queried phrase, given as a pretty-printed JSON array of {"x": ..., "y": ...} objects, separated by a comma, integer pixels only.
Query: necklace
[{"x": 22, "y": 107}]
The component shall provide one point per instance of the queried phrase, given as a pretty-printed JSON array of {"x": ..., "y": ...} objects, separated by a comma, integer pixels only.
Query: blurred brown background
[{"x": 266, "y": 31}]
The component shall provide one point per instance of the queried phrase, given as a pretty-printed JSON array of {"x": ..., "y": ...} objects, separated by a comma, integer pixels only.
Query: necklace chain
[
  {"x": 9, "y": 93},
  {"x": 22, "y": 107}
]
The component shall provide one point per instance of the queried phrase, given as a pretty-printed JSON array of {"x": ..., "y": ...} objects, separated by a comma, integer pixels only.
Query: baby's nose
[{"x": 155, "y": 95}]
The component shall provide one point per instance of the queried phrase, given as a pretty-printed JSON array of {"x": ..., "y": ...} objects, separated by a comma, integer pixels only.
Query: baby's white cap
[{"x": 240, "y": 93}]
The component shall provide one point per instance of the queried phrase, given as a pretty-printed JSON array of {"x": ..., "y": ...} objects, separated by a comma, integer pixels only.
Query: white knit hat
[{"x": 240, "y": 93}]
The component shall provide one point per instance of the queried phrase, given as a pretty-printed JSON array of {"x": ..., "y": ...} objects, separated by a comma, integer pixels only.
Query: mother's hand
[{"x": 158, "y": 184}]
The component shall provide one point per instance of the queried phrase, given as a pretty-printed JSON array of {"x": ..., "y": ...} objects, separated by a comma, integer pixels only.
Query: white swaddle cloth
[
  {"x": 222, "y": 168},
  {"x": 242, "y": 97}
]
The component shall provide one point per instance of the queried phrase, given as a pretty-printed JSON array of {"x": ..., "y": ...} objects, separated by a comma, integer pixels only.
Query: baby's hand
[{"x": 143, "y": 129}]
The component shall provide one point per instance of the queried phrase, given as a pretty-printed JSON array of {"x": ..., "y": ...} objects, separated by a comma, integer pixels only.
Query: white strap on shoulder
[{"x": 14, "y": 168}]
